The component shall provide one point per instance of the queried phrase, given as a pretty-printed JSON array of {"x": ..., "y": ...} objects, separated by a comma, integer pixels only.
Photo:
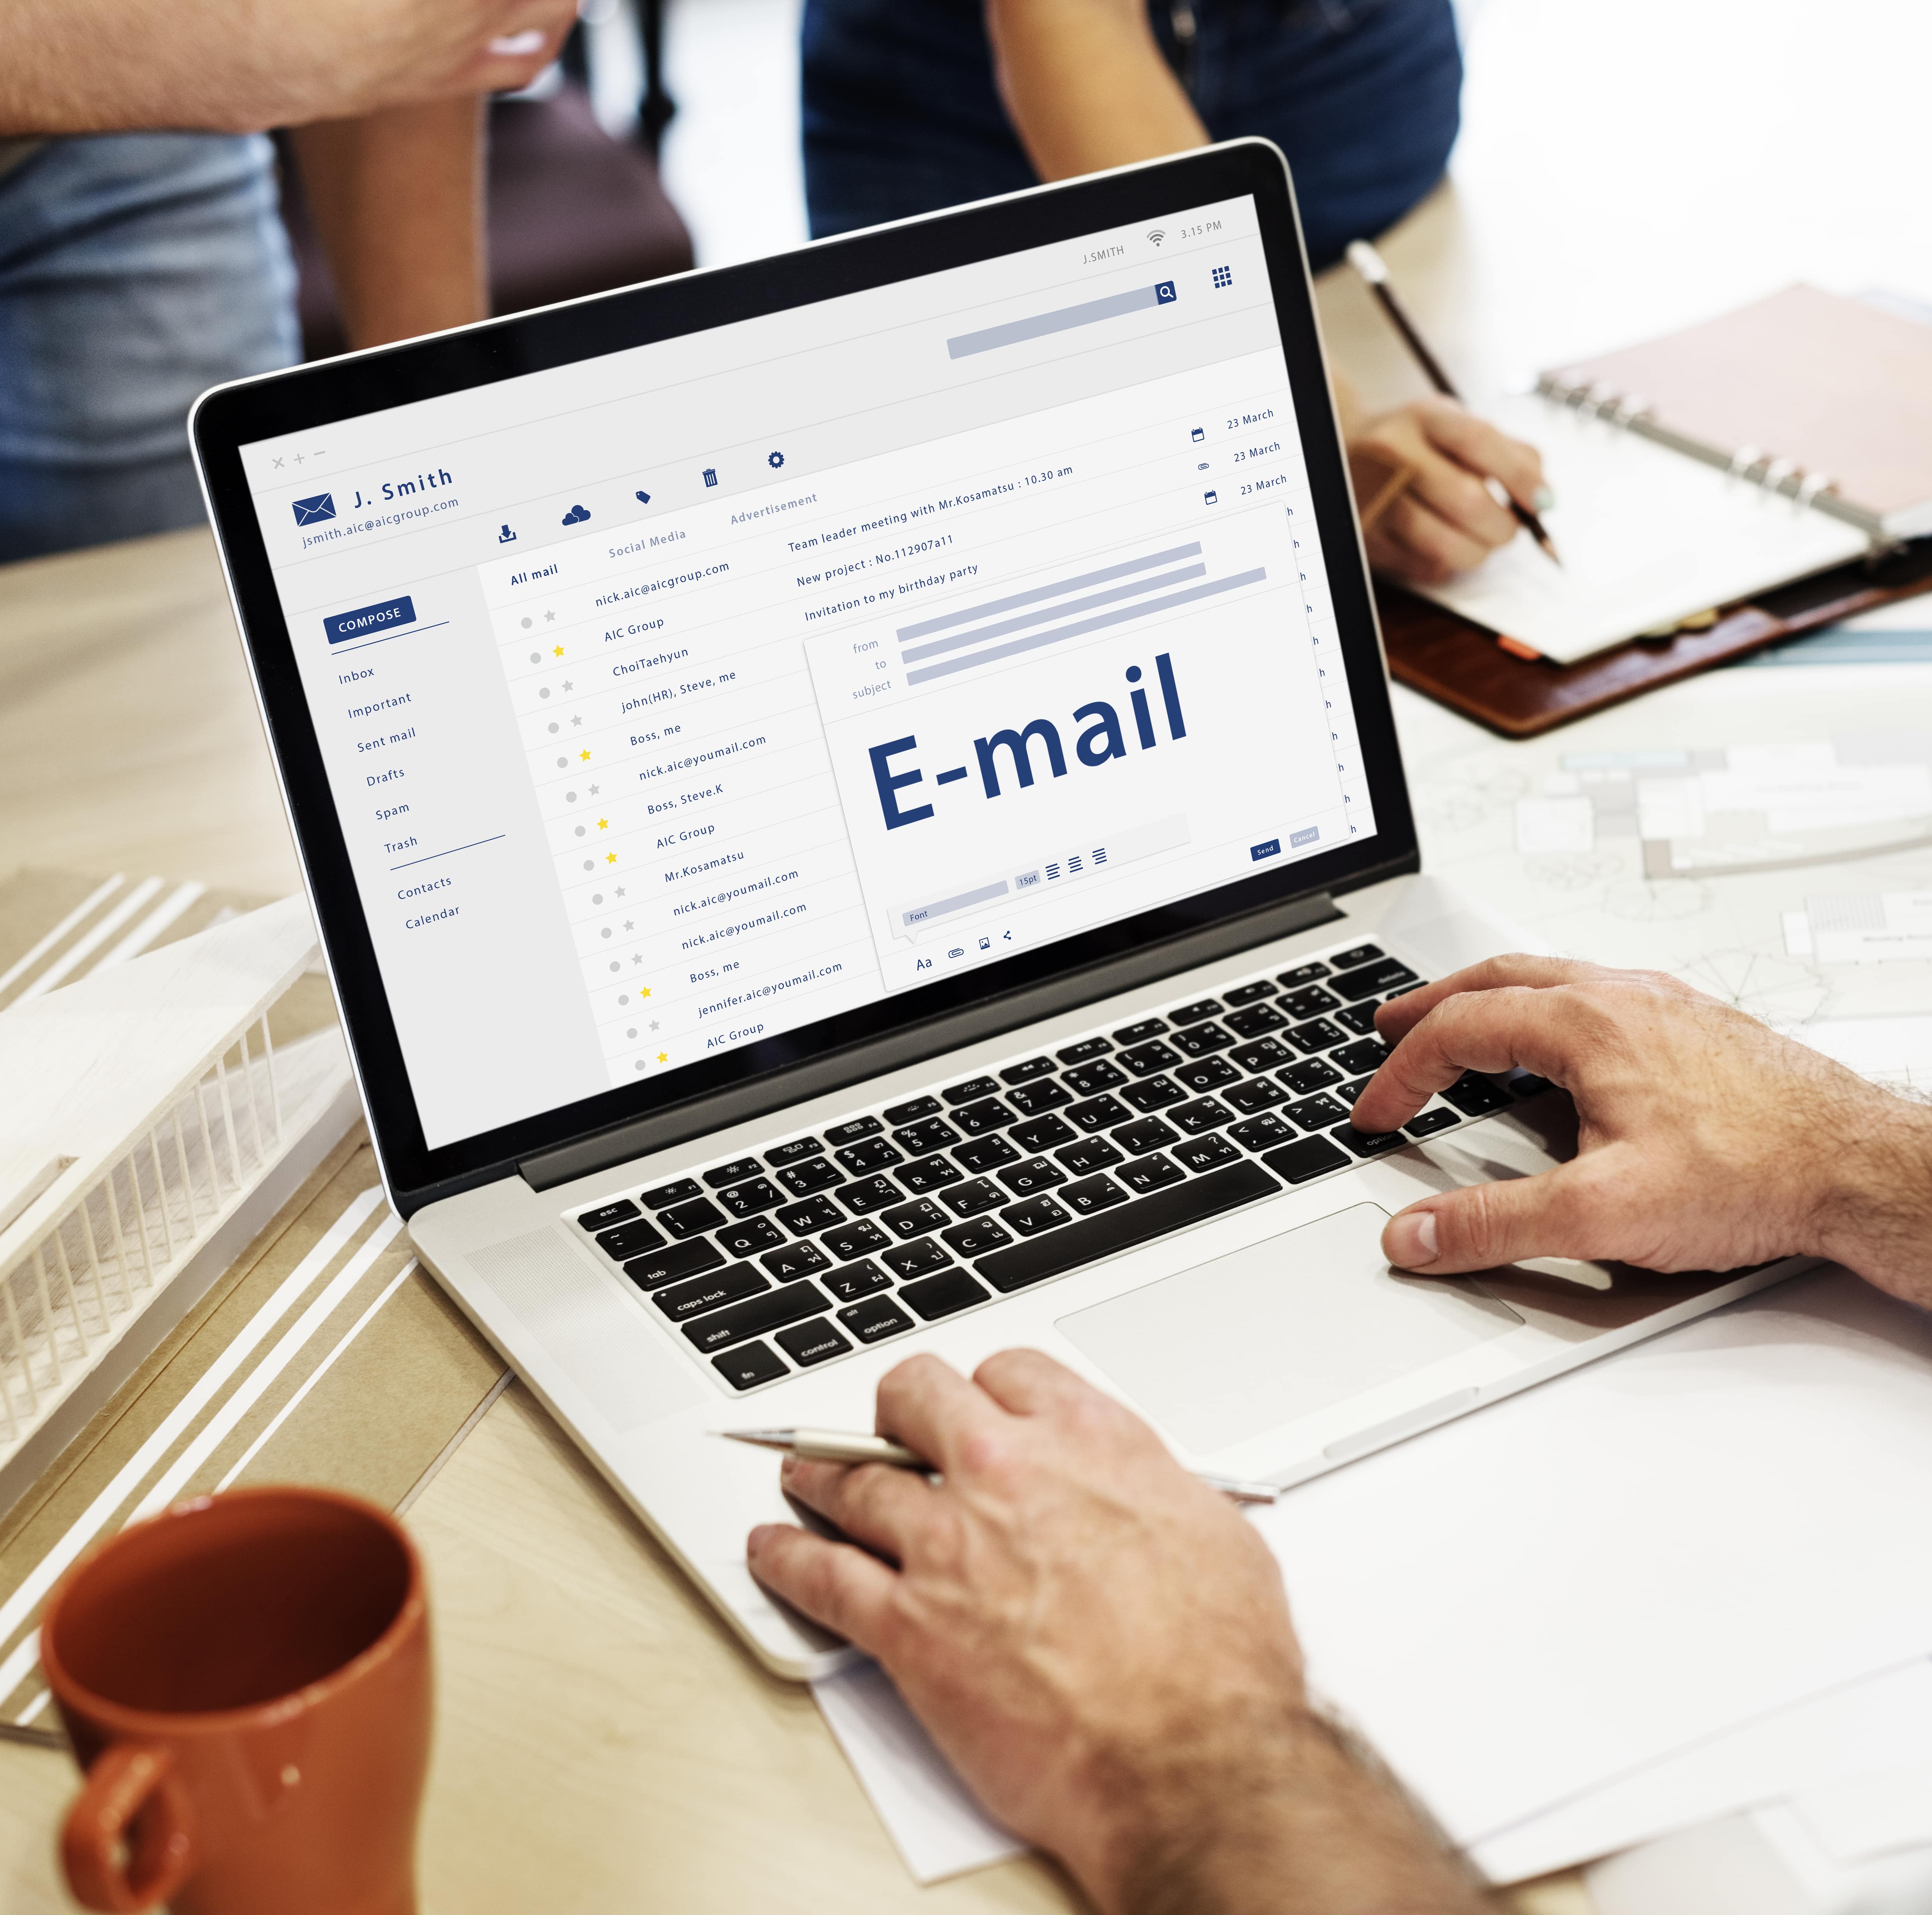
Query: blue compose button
[
  {"x": 1272, "y": 849},
  {"x": 369, "y": 621}
]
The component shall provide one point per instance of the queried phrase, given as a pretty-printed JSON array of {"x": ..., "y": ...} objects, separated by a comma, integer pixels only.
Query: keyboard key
[
  {"x": 1318, "y": 1112},
  {"x": 793, "y": 1152},
  {"x": 1090, "y": 1154},
  {"x": 1310, "y": 1074},
  {"x": 851, "y": 1132},
  {"x": 1198, "y": 1040},
  {"x": 814, "y": 1173},
  {"x": 1317, "y": 1034},
  {"x": 701, "y": 1294},
  {"x": 1254, "y": 1020},
  {"x": 1089, "y": 1079},
  {"x": 1312, "y": 1157},
  {"x": 969, "y": 1199},
  {"x": 770, "y": 1311},
  {"x": 911, "y": 1112},
  {"x": 986, "y": 1153},
  {"x": 1266, "y": 1054},
  {"x": 621, "y": 1212},
  {"x": 1036, "y": 1173},
  {"x": 1156, "y": 1094},
  {"x": 932, "y": 1134},
  {"x": 918, "y": 1218},
  {"x": 1528, "y": 1085},
  {"x": 1194, "y": 1013},
  {"x": 1035, "y": 1215},
  {"x": 1032, "y": 1100},
  {"x": 1359, "y": 1018},
  {"x": 1210, "y": 1074},
  {"x": 1476, "y": 1097},
  {"x": 977, "y": 1236},
  {"x": 1146, "y": 1059},
  {"x": 988, "y": 1114},
  {"x": 1146, "y": 1173},
  {"x": 877, "y": 1317},
  {"x": 971, "y": 1091},
  {"x": 1372, "y": 980},
  {"x": 1150, "y": 1134},
  {"x": 1262, "y": 1133},
  {"x": 1139, "y": 1033},
  {"x": 1354, "y": 1088},
  {"x": 1302, "y": 974},
  {"x": 1088, "y": 1048},
  {"x": 1091, "y": 1194},
  {"x": 747, "y": 1200},
  {"x": 748, "y": 1239},
  {"x": 875, "y": 1153},
  {"x": 935, "y": 1297},
  {"x": 870, "y": 1193},
  {"x": 1054, "y": 1252},
  {"x": 807, "y": 1344},
  {"x": 795, "y": 1259},
  {"x": 853, "y": 1240},
  {"x": 1368, "y": 1143},
  {"x": 736, "y": 1171},
  {"x": 1042, "y": 1134},
  {"x": 851, "y": 1281},
  {"x": 681, "y": 1260},
  {"x": 1430, "y": 1122},
  {"x": 629, "y": 1240},
  {"x": 1204, "y": 1113},
  {"x": 807, "y": 1219},
  {"x": 1356, "y": 954},
  {"x": 750, "y": 1364},
  {"x": 666, "y": 1194},
  {"x": 930, "y": 1173},
  {"x": 1099, "y": 1113},
  {"x": 1310, "y": 1001},
  {"x": 1034, "y": 1067},
  {"x": 914, "y": 1259},
  {"x": 1365, "y": 1054},
  {"x": 1248, "y": 993},
  {"x": 1204, "y": 1153},
  {"x": 684, "y": 1220},
  {"x": 1257, "y": 1094}
]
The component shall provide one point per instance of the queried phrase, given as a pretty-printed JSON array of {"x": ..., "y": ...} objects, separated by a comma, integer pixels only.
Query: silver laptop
[{"x": 852, "y": 806}]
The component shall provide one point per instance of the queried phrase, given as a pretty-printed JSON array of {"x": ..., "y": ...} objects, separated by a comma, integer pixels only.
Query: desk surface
[{"x": 1625, "y": 168}]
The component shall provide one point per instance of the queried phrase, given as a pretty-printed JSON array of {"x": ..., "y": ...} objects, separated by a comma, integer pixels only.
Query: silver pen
[{"x": 848, "y": 1447}]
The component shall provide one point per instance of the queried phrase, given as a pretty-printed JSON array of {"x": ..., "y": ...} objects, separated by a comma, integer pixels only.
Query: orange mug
[{"x": 246, "y": 1681}]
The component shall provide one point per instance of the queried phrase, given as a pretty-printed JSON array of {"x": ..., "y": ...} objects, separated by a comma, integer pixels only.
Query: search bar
[{"x": 1089, "y": 314}]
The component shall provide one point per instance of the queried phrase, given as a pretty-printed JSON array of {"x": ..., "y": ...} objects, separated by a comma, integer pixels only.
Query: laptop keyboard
[{"x": 805, "y": 1251}]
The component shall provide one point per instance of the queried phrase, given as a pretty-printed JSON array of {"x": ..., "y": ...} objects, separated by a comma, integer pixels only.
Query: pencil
[{"x": 1368, "y": 262}]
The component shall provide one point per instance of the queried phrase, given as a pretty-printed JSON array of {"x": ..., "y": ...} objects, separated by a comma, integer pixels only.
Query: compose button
[
  {"x": 369, "y": 621},
  {"x": 1271, "y": 848}
]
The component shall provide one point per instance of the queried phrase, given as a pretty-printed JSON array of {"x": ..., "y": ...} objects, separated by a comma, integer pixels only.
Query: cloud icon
[{"x": 575, "y": 515}]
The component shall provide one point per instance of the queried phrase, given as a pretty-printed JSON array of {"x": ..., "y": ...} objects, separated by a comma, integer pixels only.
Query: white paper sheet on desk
[
  {"x": 1571, "y": 1584},
  {"x": 1648, "y": 536}
]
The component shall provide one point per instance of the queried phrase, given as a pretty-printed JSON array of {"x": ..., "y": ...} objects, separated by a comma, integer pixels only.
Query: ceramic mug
[{"x": 246, "y": 1681}]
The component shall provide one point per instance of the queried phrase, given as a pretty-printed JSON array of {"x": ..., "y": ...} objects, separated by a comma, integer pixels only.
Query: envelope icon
[{"x": 313, "y": 511}]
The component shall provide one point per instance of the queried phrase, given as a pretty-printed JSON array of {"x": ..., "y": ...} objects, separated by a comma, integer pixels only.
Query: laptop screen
[{"x": 697, "y": 691}]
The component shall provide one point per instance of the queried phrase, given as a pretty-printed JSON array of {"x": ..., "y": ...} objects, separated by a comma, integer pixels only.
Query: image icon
[{"x": 313, "y": 511}]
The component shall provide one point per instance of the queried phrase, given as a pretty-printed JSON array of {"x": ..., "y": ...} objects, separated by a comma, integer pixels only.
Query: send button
[
  {"x": 369, "y": 621},
  {"x": 1271, "y": 848}
]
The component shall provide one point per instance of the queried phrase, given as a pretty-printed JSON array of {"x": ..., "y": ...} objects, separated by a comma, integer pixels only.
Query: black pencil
[{"x": 1368, "y": 262}]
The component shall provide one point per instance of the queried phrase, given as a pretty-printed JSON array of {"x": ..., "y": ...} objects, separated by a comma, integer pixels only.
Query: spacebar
[{"x": 1121, "y": 1228}]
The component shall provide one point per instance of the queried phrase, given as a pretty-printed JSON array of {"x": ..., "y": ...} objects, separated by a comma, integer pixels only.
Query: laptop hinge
[{"x": 587, "y": 1155}]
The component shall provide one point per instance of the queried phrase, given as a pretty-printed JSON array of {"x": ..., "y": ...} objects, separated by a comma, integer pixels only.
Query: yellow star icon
[
  {"x": 610, "y": 857},
  {"x": 583, "y": 754},
  {"x": 664, "y": 1056},
  {"x": 646, "y": 992},
  {"x": 556, "y": 651},
  {"x": 603, "y": 824}
]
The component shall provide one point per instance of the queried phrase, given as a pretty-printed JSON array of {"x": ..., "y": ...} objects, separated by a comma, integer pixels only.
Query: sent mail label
[
  {"x": 369, "y": 621},
  {"x": 313, "y": 511}
]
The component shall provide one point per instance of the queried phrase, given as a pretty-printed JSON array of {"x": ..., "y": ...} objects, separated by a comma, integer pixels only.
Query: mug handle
[{"x": 127, "y": 1844}]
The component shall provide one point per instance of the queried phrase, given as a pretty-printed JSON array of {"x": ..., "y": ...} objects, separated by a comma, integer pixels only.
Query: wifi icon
[{"x": 1157, "y": 235}]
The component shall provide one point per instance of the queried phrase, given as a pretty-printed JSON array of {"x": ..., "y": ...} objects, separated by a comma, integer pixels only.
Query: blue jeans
[
  {"x": 136, "y": 271},
  {"x": 901, "y": 115}
]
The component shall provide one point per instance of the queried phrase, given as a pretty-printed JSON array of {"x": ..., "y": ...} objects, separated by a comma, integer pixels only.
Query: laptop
[{"x": 852, "y": 808}]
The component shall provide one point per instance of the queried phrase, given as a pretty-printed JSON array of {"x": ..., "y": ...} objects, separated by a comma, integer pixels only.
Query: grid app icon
[{"x": 1224, "y": 275}]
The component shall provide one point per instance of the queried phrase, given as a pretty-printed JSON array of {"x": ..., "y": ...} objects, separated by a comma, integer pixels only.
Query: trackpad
[{"x": 1229, "y": 1350}]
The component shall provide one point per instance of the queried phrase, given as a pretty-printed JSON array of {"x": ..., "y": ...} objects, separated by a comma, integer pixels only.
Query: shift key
[{"x": 786, "y": 1304}]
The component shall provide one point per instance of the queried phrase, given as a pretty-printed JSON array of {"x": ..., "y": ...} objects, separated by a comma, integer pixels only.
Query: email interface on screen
[{"x": 679, "y": 697}]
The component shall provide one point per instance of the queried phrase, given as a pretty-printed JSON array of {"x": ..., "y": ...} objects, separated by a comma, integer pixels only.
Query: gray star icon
[
  {"x": 577, "y": 721},
  {"x": 654, "y": 1023},
  {"x": 593, "y": 793},
  {"x": 550, "y": 618},
  {"x": 620, "y": 891},
  {"x": 566, "y": 684},
  {"x": 637, "y": 960},
  {"x": 629, "y": 925}
]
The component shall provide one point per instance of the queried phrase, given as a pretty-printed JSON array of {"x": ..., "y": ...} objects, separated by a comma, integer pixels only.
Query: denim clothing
[
  {"x": 136, "y": 271},
  {"x": 901, "y": 115}
]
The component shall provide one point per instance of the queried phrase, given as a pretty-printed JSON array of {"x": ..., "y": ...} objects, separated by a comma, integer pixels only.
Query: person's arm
[
  {"x": 1101, "y": 1646},
  {"x": 242, "y": 66},
  {"x": 397, "y": 198},
  {"x": 1706, "y": 1142}
]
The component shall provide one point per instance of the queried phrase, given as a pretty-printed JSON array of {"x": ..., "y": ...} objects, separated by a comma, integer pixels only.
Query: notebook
[{"x": 1717, "y": 463}]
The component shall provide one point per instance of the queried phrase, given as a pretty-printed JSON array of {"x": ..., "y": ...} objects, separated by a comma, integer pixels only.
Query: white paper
[
  {"x": 1882, "y": 1721},
  {"x": 1551, "y": 824},
  {"x": 1865, "y": 1816},
  {"x": 931, "y": 1816}
]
